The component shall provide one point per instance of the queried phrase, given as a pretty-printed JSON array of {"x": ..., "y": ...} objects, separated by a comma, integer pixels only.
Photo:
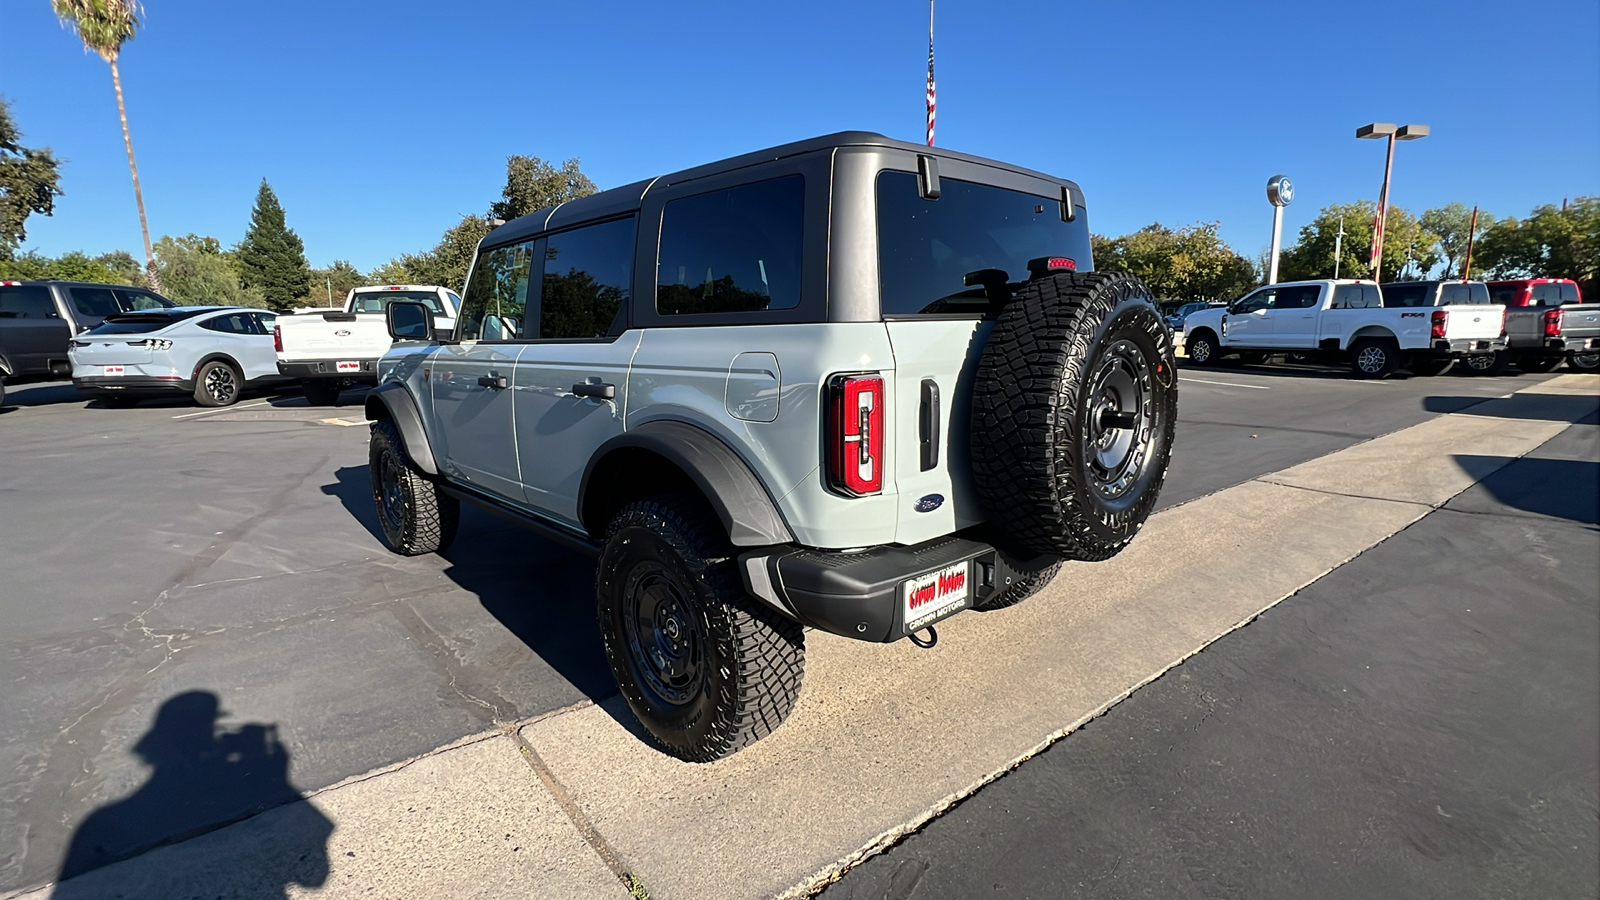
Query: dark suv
[{"x": 38, "y": 318}]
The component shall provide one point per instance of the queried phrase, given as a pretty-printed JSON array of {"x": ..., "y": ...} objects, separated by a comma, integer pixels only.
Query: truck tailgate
[
  {"x": 1476, "y": 321},
  {"x": 333, "y": 335}
]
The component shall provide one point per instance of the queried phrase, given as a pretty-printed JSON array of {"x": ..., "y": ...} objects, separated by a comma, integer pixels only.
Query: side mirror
[{"x": 409, "y": 321}]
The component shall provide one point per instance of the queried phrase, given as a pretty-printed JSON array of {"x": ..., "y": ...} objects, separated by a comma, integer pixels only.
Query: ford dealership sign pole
[{"x": 1280, "y": 193}]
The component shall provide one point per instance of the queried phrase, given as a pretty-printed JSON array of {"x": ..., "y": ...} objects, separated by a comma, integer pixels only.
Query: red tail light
[
  {"x": 277, "y": 339},
  {"x": 1440, "y": 319},
  {"x": 1552, "y": 323},
  {"x": 855, "y": 434}
]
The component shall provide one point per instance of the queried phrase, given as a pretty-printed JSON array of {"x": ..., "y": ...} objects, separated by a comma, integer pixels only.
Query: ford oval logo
[
  {"x": 930, "y": 503},
  {"x": 343, "y": 332}
]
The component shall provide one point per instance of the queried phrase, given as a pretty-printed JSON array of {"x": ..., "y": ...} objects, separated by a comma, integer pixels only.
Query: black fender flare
[
  {"x": 747, "y": 511},
  {"x": 392, "y": 401}
]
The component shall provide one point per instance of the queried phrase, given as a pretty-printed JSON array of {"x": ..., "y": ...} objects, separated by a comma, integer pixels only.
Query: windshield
[
  {"x": 375, "y": 301},
  {"x": 928, "y": 248}
]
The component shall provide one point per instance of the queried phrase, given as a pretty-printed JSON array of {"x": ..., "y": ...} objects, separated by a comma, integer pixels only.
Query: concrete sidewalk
[{"x": 883, "y": 738}]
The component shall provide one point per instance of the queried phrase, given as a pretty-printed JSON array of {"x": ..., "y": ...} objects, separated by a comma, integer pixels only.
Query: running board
[{"x": 542, "y": 527}]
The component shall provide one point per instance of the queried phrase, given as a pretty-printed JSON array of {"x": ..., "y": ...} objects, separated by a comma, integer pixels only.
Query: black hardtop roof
[
  {"x": 628, "y": 197},
  {"x": 67, "y": 283}
]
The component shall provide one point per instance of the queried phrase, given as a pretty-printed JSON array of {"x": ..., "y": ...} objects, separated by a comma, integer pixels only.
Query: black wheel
[
  {"x": 1073, "y": 410},
  {"x": 1202, "y": 349},
  {"x": 1538, "y": 364},
  {"x": 1429, "y": 366},
  {"x": 1495, "y": 363},
  {"x": 1373, "y": 357},
  {"x": 706, "y": 668},
  {"x": 1020, "y": 589},
  {"x": 415, "y": 515},
  {"x": 1584, "y": 362},
  {"x": 321, "y": 391},
  {"x": 217, "y": 383}
]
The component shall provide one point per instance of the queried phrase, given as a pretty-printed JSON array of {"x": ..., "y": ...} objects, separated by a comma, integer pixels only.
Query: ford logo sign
[
  {"x": 343, "y": 332},
  {"x": 929, "y": 503}
]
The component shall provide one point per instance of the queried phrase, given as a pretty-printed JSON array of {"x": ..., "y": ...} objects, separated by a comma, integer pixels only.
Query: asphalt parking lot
[{"x": 158, "y": 555}]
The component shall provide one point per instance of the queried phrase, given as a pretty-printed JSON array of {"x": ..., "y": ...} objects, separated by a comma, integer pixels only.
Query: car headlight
[{"x": 151, "y": 344}]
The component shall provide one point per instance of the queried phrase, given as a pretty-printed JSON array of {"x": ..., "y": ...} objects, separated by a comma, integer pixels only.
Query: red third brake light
[
  {"x": 1552, "y": 322},
  {"x": 277, "y": 339},
  {"x": 855, "y": 434},
  {"x": 1440, "y": 319}
]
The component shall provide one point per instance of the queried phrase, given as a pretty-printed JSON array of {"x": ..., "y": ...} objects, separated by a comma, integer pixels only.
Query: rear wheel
[
  {"x": 217, "y": 383},
  {"x": 1584, "y": 362},
  {"x": 1538, "y": 364},
  {"x": 1429, "y": 366},
  {"x": 321, "y": 391},
  {"x": 415, "y": 515},
  {"x": 1494, "y": 363},
  {"x": 1202, "y": 349},
  {"x": 706, "y": 668},
  {"x": 1373, "y": 358}
]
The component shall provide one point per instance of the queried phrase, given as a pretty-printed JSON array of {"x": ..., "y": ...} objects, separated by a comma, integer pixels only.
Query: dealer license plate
[
  {"x": 111, "y": 370},
  {"x": 345, "y": 366},
  {"x": 928, "y": 598}
]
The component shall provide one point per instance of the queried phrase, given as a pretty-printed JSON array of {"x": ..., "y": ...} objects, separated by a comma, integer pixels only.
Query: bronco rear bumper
[{"x": 883, "y": 593}]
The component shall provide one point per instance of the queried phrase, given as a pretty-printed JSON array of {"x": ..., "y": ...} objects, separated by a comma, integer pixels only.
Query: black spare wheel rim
[
  {"x": 666, "y": 641},
  {"x": 1117, "y": 435}
]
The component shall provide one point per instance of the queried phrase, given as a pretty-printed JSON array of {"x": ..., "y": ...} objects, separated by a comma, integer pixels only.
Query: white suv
[{"x": 850, "y": 383}]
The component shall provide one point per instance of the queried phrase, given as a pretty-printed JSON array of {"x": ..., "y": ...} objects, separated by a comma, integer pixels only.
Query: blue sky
[{"x": 378, "y": 134}]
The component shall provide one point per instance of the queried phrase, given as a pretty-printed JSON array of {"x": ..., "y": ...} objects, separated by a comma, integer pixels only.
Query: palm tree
[{"x": 104, "y": 25}]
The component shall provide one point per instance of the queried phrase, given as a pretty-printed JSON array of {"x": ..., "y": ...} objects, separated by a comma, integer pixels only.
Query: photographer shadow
[{"x": 202, "y": 779}]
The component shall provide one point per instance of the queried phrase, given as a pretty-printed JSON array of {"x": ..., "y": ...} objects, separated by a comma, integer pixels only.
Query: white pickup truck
[
  {"x": 331, "y": 350},
  {"x": 1345, "y": 321}
]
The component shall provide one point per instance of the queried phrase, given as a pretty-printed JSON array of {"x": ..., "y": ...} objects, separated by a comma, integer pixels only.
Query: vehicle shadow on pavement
[
  {"x": 1558, "y": 488},
  {"x": 202, "y": 778},
  {"x": 1573, "y": 408}
]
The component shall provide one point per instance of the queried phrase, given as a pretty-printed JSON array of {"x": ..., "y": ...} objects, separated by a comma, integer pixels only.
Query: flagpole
[{"x": 930, "y": 74}]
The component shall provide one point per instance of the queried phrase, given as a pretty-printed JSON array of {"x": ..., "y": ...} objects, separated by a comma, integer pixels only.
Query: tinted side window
[
  {"x": 1404, "y": 294},
  {"x": 233, "y": 323},
  {"x": 264, "y": 322},
  {"x": 98, "y": 302},
  {"x": 1298, "y": 297},
  {"x": 133, "y": 300},
  {"x": 26, "y": 301},
  {"x": 732, "y": 250},
  {"x": 1262, "y": 299},
  {"x": 588, "y": 278},
  {"x": 1356, "y": 296},
  {"x": 497, "y": 293}
]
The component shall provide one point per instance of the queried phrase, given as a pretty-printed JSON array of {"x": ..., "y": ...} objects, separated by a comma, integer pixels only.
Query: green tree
[
  {"x": 1408, "y": 248},
  {"x": 533, "y": 184},
  {"x": 1551, "y": 243},
  {"x": 272, "y": 258},
  {"x": 27, "y": 183},
  {"x": 107, "y": 268},
  {"x": 104, "y": 26},
  {"x": 445, "y": 265},
  {"x": 1452, "y": 224},
  {"x": 122, "y": 265},
  {"x": 197, "y": 272},
  {"x": 1188, "y": 263}
]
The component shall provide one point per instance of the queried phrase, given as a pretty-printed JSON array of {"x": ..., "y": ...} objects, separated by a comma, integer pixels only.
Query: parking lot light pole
[{"x": 1402, "y": 133}]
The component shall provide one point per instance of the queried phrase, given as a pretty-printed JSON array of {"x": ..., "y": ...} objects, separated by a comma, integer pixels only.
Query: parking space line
[
  {"x": 1253, "y": 387},
  {"x": 221, "y": 409}
]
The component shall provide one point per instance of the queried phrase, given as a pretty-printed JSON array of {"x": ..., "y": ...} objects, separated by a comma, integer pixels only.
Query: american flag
[{"x": 930, "y": 73}]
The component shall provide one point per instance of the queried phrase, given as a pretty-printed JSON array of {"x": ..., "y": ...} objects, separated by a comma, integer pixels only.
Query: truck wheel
[
  {"x": 706, "y": 668},
  {"x": 1019, "y": 590},
  {"x": 1538, "y": 364},
  {"x": 415, "y": 515},
  {"x": 1073, "y": 410},
  {"x": 1202, "y": 349},
  {"x": 1584, "y": 362},
  {"x": 1429, "y": 366},
  {"x": 321, "y": 391},
  {"x": 217, "y": 384},
  {"x": 1487, "y": 363},
  {"x": 1373, "y": 358}
]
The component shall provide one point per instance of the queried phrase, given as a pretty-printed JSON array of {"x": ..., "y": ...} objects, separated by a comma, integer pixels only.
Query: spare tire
[{"x": 1073, "y": 409}]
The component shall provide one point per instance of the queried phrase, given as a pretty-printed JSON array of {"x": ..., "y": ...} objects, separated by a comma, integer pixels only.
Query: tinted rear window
[
  {"x": 94, "y": 301},
  {"x": 26, "y": 301},
  {"x": 926, "y": 248},
  {"x": 733, "y": 250},
  {"x": 375, "y": 301},
  {"x": 1456, "y": 294}
]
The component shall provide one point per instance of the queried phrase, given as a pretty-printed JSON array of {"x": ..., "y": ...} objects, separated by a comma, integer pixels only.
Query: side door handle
[
  {"x": 595, "y": 389},
  {"x": 492, "y": 380}
]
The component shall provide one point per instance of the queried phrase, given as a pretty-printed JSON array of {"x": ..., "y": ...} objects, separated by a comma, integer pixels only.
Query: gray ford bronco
[{"x": 851, "y": 384}]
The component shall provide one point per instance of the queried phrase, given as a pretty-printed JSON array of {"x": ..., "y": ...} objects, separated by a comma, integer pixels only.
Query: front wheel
[
  {"x": 1373, "y": 358},
  {"x": 706, "y": 668},
  {"x": 415, "y": 515},
  {"x": 1202, "y": 349},
  {"x": 1487, "y": 363}
]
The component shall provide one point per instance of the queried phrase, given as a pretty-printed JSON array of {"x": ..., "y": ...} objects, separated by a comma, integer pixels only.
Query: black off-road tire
[
  {"x": 1495, "y": 363},
  {"x": 705, "y": 667},
  {"x": 218, "y": 383},
  {"x": 416, "y": 517},
  {"x": 1069, "y": 356},
  {"x": 1206, "y": 355},
  {"x": 1584, "y": 362},
  {"x": 321, "y": 391},
  {"x": 1429, "y": 366},
  {"x": 1020, "y": 589},
  {"x": 1538, "y": 365},
  {"x": 1374, "y": 358}
]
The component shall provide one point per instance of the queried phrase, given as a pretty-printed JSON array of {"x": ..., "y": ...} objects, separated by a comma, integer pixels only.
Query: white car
[{"x": 213, "y": 353}]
